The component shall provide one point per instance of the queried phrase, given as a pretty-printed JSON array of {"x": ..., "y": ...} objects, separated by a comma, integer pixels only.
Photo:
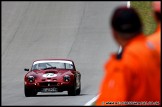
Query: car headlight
[
  {"x": 66, "y": 78},
  {"x": 31, "y": 78}
]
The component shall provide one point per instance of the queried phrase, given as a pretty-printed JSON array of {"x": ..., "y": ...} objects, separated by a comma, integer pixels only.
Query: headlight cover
[
  {"x": 66, "y": 78},
  {"x": 31, "y": 78}
]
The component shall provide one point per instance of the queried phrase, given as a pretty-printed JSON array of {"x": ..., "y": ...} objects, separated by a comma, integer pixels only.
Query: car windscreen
[{"x": 55, "y": 65}]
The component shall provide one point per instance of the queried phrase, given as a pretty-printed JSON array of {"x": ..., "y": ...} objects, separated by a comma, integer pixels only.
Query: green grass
[{"x": 146, "y": 14}]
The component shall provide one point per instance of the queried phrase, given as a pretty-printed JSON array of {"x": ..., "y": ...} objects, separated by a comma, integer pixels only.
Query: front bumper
[{"x": 60, "y": 86}]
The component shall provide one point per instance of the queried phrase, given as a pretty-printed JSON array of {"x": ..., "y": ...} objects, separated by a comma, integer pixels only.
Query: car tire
[
  {"x": 78, "y": 90},
  {"x": 29, "y": 92}
]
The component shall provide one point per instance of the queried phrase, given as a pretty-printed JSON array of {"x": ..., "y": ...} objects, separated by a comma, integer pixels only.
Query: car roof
[{"x": 53, "y": 59}]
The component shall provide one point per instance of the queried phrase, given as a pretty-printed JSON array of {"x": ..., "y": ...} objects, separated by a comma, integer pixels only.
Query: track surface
[{"x": 37, "y": 30}]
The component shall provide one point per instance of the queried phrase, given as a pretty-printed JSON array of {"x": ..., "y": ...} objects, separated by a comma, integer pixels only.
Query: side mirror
[{"x": 26, "y": 69}]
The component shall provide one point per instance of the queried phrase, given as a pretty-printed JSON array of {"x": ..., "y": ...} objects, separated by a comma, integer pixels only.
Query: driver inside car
[{"x": 42, "y": 66}]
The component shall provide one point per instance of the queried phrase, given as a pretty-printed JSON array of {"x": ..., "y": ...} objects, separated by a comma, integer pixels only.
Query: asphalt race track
[{"x": 36, "y": 30}]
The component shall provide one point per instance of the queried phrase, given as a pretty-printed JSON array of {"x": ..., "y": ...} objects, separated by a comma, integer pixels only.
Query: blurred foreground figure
[
  {"x": 155, "y": 38},
  {"x": 134, "y": 77}
]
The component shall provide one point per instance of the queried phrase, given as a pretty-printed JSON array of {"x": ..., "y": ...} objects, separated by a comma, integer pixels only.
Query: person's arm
[{"x": 113, "y": 87}]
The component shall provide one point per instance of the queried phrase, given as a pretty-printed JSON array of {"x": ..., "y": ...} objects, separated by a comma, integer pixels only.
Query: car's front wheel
[
  {"x": 29, "y": 92},
  {"x": 78, "y": 90}
]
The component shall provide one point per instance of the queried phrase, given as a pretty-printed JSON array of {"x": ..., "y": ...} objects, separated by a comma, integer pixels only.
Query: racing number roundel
[{"x": 49, "y": 75}]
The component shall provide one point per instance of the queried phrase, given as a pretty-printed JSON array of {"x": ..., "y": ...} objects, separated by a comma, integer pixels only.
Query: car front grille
[{"x": 46, "y": 84}]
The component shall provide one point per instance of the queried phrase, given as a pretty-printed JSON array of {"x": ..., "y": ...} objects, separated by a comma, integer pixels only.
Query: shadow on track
[{"x": 57, "y": 95}]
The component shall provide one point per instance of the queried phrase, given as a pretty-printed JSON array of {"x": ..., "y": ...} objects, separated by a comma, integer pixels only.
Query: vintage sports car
[{"x": 52, "y": 75}]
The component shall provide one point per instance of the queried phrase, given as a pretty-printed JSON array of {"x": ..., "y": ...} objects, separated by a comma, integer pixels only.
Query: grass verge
[{"x": 146, "y": 14}]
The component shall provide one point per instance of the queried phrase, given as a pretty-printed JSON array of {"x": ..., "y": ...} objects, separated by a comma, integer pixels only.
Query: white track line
[{"x": 89, "y": 103}]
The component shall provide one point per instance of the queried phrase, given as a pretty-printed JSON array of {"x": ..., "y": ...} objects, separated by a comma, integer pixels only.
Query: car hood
[{"x": 50, "y": 74}]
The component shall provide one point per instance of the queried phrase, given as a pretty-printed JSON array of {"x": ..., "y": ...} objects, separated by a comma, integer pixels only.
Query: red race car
[{"x": 52, "y": 75}]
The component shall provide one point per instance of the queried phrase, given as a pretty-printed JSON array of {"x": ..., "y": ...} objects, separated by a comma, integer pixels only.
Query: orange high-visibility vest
[{"x": 134, "y": 79}]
